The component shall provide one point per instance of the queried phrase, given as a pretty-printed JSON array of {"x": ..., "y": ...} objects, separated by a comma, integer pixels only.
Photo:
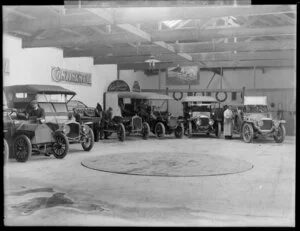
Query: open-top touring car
[
  {"x": 200, "y": 116},
  {"x": 53, "y": 99},
  {"x": 253, "y": 119}
]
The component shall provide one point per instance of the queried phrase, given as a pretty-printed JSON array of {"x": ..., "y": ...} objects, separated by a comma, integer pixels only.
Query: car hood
[{"x": 196, "y": 115}]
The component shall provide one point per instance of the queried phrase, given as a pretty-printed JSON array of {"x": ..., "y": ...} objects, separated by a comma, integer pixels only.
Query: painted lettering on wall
[{"x": 68, "y": 76}]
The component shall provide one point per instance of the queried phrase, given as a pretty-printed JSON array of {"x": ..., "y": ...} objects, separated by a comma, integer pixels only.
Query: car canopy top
[
  {"x": 36, "y": 89},
  {"x": 144, "y": 95},
  {"x": 203, "y": 99}
]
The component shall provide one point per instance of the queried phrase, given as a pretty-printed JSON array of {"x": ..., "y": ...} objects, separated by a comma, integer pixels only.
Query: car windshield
[
  {"x": 158, "y": 105},
  {"x": 60, "y": 107},
  {"x": 61, "y": 98},
  {"x": 255, "y": 109},
  {"x": 47, "y": 107},
  {"x": 199, "y": 107}
]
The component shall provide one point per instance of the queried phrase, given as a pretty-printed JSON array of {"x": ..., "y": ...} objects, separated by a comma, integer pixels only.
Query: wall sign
[
  {"x": 136, "y": 87},
  {"x": 6, "y": 66},
  {"x": 183, "y": 75},
  {"x": 118, "y": 85},
  {"x": 68, "y": 76}
]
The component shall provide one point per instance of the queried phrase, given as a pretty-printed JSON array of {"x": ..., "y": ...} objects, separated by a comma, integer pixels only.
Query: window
[
  {"x": 233, "y": 96},
  {"x": 21, "y": 95}
]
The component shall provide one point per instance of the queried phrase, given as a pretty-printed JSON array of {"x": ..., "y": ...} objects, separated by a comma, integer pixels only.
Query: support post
[{"x": 118, "y": 74}]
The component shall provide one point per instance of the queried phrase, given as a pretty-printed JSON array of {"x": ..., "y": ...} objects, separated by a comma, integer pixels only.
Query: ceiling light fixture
[{"x": 152, "y": 62}]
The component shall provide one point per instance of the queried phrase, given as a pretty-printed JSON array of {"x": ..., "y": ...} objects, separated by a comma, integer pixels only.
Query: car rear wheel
[
  {"x": 189, "y": 131},
  {"x": 88, "y": 143},
  {"x": 279, "y": 136},
  {"x": 218, "y": 130},
  {"x": 160, "y": 130},
  {"x": 121, "y": 132},
  {"x": 179, "y": 131},
  {"x": 145, "y": 131},
  {"x": 61, "y": 146},
  {"x": 5, "y": 151},
  {"x": 248, "y": 133},
  {"x": 22, "y": 148}
]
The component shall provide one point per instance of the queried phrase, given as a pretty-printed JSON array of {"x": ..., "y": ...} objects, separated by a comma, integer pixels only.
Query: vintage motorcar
[
  {"x": 84, "y": 114},
  {"x": 160, "y": 120},
  {"x": 253, "y": 119},
  {"x": 53, "y": 99},
  {"x": 32, "y": 136},
  {"x": 125, "y": 112},
  {"x": 200, "y": 117}
]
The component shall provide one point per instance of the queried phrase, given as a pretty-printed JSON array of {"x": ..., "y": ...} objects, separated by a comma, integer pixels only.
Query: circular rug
[{"x": 166, "y": 164}]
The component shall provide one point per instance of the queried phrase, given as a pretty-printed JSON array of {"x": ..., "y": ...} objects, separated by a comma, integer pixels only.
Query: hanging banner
[
  {"x": 136, "y": 87},
  {"x": 68, "y": 76},
  {"x": 118, "y": 85},
  {"x": 183, "y": 76}
]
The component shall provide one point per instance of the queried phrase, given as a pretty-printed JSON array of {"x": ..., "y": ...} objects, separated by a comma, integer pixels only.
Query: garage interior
[{"x": 238, "y": 49}]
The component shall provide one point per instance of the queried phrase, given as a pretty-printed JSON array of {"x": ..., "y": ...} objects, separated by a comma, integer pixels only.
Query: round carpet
[{"x": 167, "y": 164}]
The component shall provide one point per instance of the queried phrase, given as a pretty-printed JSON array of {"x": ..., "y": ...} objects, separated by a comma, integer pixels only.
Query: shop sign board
[{"x": 69, "y": 76}]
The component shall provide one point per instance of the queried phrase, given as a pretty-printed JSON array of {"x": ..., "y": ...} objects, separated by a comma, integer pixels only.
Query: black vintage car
[
  {"x": 161, "y": 121},
  {"x": 53, "y": 99},
  {"x": 84, "y": 114},
  {"x": 200, "y": 116}
]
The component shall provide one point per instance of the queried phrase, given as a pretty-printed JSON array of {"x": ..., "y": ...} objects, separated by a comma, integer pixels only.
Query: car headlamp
[
  {"x": 276, "y": 123},
  {"x": 84, "y": 129},
  {"x": 211, "y": 122},
  {"x": 260, "y": 123},
  {"x": 66, "y": 129},
  {"x": 198, "y": 122}
]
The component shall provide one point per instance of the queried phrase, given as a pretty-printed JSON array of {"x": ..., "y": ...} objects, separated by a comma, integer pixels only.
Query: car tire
[
  {"x": 189, "y": 130},
  {"x": 218, "y": 130},
  {"x": 248, "y": 133},
  {"x": 179, "y": 131},
  {"x": 22, "y": 143},
  {"x": 280, "y": 135},
  {"x": 160, "y": 130},
  {"x": 145, "y": 130},
  {"x": 5, "y": 151},
  {"x": 97, "y": 134},
  {"x": 61, "y": 147},
  {"x": 87, "y": 146},
  {"x": 121, "y": 132}
]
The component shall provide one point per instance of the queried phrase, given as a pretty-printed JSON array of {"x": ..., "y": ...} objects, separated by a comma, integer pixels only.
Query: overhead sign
[
  {"x": 69, "y": 76},
  {"x": 118, "y": 85},
  {"x": 183, "y": 76},
  {"x": 136, "y": 87}
]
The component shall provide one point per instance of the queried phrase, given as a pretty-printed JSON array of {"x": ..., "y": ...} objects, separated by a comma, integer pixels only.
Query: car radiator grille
[
  {"x": 74, "y": 130},
  {"x": 204, "y": 121},
  {"x": 172, "y": 122},
  {"x": 267, "y": 125},
  {"x": 137, "y": 123}
]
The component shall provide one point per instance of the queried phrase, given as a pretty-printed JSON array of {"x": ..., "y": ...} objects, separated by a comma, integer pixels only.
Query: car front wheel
[
  {"x": 145, "y": 131},
  {"x": 121, "y": 132},
  {"x": 279, "y": 135},
  {"x": 189, "y": 131},
  {"x": 61, "y": 146},
  {"x": 89, "y": 140},
  {"x": 160, "y": 130},
  {"x": 22, "y": 148},
  {"x": 248, "y": 133}
]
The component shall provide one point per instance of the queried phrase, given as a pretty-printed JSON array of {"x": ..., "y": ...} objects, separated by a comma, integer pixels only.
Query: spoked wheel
[
  {"x": 218, "y": 130},
  {"x": 5, "y": 151},
  {"x": 160, "y": 130},
  {"x": 145, "y": 131},
  {"x": 121, "y": 132},
  {"x": 89, "y": 140},
  {"x": 179, "y": 131},
  {"x": 61, "y": 146},
  {"x": 248, "y": 133},
  {"x": 189, "y": 131},
  {"x": 22, "y": 148},
  {"x": 279, "y": 136}
]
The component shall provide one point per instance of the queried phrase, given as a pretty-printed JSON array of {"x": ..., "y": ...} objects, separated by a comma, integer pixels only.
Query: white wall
[{"x": 33, "y": 66}]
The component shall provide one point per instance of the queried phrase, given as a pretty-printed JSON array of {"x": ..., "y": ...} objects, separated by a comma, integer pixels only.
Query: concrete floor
[{"x": 49, "y": 191}]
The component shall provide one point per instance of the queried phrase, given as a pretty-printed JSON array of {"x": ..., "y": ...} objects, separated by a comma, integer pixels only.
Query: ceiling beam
[
  {"x": 144, "y": 15},
  {"x": 264, "y": 63},
  {"x": 166, "y": 35},
  {"x": 14, "y": 10},
  {"x": 287, "y": 18}
]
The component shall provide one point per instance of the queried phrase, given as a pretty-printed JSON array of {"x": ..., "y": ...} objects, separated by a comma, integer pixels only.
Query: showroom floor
[{"x": 252, "y": 185}]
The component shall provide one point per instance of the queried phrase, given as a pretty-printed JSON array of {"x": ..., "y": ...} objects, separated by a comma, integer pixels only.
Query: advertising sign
[
  {"x": 183, "y": 76},
  {"x": 68, "y": 76}
]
